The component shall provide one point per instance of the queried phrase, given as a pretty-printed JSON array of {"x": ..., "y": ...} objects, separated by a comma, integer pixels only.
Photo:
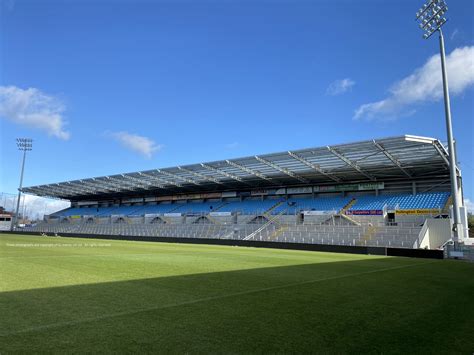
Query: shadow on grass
[{"x": 374, "y": 305}]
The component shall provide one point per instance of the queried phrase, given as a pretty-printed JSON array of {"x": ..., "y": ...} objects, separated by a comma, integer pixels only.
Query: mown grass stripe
[{"x": 205, "y": 299}]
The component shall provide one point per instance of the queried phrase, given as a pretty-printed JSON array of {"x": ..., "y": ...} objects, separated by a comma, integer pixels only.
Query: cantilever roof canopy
[{"x": 408, "y": 157}]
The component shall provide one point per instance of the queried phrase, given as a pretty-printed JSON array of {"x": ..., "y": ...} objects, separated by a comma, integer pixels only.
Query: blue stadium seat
[
  {"x": 294, "y": 205},
  {"x": 434, "y": 200},
  {"x": 197, "y": 207},
  {"x": 249, "y": 206}
]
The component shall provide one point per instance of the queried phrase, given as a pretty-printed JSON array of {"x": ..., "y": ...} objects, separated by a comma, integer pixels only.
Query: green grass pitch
[{"x": 62, "y": 295}]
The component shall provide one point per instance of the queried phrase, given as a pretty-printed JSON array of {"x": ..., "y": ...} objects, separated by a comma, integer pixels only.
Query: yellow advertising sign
[{"x": 421, "y": 211}]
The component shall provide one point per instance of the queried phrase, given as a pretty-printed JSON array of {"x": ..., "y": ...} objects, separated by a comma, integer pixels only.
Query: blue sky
[{"x": 117, "y": 86}]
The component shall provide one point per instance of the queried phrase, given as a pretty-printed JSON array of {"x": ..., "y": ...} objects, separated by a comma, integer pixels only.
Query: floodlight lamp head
[
  {"x": 24, "y": 143},
  {"x": 430, "y": 17}
]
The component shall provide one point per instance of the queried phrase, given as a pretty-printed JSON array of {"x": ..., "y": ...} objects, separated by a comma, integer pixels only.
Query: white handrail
[
  {"x": 270, "y": 221},
  {"x": 421, "y": 235}
]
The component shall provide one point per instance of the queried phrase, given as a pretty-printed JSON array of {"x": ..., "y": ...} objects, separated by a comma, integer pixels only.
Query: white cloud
[
  {"x": 469, "y": 205},
  {"x": 33, "y": 206},
  {"x": 339, "y": 87},
  {"x": 140, "y": 144},
  {"x": 425, "y": 84},
  {"x": 33, "y": 108}
]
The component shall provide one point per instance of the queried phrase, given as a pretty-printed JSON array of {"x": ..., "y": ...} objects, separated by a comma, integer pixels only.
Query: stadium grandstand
[{"x": 391, "y": 192}]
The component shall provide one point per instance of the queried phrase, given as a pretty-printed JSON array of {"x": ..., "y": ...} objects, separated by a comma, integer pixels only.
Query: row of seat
[
  {"x": 293, "y": 205},
  {"x": 435, "y": 200},
  {"x": 273, "y": 206}
]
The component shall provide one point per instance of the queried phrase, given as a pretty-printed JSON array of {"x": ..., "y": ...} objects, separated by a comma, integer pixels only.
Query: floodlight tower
[
  {"x": 431, "y": 18},
  {"x": 24, "y": 144}
]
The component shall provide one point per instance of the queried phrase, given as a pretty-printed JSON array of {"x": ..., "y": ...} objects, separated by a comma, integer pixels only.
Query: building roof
[{"x": 408, "y": 157}]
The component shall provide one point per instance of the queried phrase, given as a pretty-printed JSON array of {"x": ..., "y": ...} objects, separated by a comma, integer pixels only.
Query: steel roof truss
[
  {"x": 392, "y": 158},
  {"x": 250, "y": 171},
  {"x": 179, "y": 177},
  {"x": 312, "y": 166},
  {"x": 57, "y": 190},
  {"x": 408, "y": 156},
  {"x": 201, "y": 176},
  {"x": 142, "y": 183},
  {"x": 83, "y": 189},
  {"x": 444, "y": 154},
  {"x": 350, "y": 163},
  {"x": 87, "y": 185},
  {"x": 159, "y": 181},
  {"x": 226, "y": 174},
  {"x": 37, "y": 190},
  {"x": 121, "y": 184},
  {"x": 99, "y": 185},
  {"x": 441, "y": 151},
  {"x": 281, "y": 169}
]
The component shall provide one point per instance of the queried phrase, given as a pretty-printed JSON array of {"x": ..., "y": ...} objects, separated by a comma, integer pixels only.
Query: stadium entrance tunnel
[
  {"x": 258, "y": 220},
  {"x": 158, "y": 220},
  {"x": 119, "y": 220},
  {"x": 374, "y": 303},
  {"x": 202, "y": 220}
]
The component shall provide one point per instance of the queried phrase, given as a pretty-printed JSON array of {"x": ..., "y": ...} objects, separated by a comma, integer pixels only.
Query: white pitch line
[{"x": 205, "y": 299}]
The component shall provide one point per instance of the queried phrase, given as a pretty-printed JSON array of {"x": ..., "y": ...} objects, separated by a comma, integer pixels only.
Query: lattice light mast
[
  {"x": 24, "y": 144},
  {"x": 431, "y": 19}
]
